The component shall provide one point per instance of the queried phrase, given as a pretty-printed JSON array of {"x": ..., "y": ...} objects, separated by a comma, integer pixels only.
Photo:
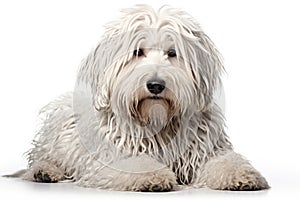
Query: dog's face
[
  {"x": 156, "y": 82},
  {"x": 152, "y": 66}
]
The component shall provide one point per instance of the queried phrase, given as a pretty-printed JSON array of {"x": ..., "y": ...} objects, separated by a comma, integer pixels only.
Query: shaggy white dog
[{"x": 143, "y": 116}]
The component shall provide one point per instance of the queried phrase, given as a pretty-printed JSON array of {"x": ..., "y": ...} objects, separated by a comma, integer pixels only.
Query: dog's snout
[{"x": 156, "y": 86}]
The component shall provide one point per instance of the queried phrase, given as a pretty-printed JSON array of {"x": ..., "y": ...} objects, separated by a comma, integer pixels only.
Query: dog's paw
[
  {"x": 247, "y": 181},
  {"x": 40, "y": 176},
  {"x": 159, "y": 181},
  {"x": 232, "y": 172},
  {"x": 45, "y": 173},
  {"x": 156, "y": 183},
  {"x": 45, "y": 177}
]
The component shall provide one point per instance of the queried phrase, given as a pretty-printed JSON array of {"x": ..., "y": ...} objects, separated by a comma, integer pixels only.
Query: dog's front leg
[
  {"x": 140, "y": 173},
  {"x": 230, "y": 171}
]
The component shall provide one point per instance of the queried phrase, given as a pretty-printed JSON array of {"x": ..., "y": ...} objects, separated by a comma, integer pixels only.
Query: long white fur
[{"x": 91, "y": 136}]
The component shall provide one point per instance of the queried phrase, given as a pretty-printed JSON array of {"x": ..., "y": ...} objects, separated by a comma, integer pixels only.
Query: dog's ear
[
  {"x": 101, "y": 82},
  {"x": 207, "y": 67},
  {"x": 92, "y": 74},
  {"x": 103, "y": 65}
]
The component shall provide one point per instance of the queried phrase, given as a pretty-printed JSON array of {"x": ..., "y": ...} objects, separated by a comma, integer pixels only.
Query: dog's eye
[
  {"x": 138, "y": 52},
  {"x": 172, "y": 53}
]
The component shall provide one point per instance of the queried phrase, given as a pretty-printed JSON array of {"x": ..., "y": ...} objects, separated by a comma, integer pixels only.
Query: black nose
[{"x": 156, "y": 86}]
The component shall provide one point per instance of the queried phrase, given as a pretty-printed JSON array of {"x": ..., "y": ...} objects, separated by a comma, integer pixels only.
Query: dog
[{"x": 143, "y": 114}]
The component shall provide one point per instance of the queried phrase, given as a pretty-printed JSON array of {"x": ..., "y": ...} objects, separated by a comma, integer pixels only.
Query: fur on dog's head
[{"x": 153, "y": 66}]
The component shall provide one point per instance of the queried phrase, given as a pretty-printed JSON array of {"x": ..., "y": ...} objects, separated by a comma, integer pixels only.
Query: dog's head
[{"x": 152, "y": 66}]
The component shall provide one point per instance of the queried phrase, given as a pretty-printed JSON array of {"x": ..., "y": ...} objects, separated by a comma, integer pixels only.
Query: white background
[{"x": 43, "y": 42}]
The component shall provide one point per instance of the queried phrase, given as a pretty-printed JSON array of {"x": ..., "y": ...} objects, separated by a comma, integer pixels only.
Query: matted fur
[{"x": 110, "y": 134}]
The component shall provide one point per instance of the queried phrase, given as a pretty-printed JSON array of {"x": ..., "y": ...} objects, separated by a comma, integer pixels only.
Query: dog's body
[{"x": 142, "y": 116}]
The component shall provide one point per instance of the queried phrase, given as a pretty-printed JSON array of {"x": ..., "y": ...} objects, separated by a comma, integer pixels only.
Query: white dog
[{"x": 142, "y": 116}]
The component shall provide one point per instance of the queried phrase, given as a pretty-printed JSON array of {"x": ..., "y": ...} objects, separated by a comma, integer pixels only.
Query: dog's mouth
[
  {"x": 153, "y": 109},
  {"x": 155, "y": 97}
]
